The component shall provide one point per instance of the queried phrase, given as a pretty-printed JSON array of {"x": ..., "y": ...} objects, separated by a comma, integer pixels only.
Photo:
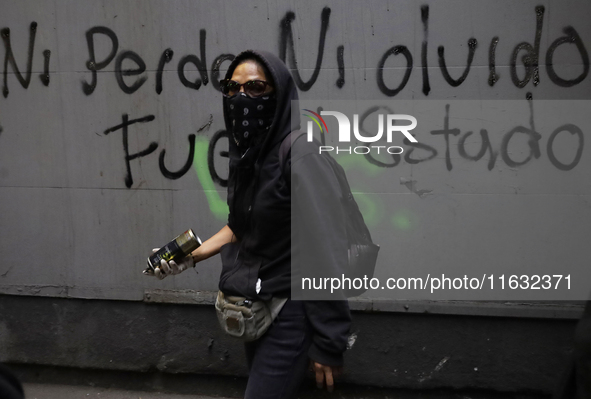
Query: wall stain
[{"x": 412, "y": 186}]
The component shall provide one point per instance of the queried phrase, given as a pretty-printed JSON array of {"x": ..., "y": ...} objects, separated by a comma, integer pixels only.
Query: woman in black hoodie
[{"x": 256, "y": 246}]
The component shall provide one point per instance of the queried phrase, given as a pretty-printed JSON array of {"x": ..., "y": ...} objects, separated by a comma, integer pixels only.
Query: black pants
[
  {"x": 278, "y": 361},
  {"x": 10, "y": 387}
]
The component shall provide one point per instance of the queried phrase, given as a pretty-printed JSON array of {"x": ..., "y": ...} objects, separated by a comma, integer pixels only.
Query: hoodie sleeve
[
  {"x": 319, "y": 251},
  {"x": 331, "y": 321}
]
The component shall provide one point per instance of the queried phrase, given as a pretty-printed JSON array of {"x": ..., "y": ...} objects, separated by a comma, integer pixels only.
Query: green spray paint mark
[
  {"x": 371, "y": 209},
  {"x": 401, "y": 220},
  {"x": 217, "y": 206}
]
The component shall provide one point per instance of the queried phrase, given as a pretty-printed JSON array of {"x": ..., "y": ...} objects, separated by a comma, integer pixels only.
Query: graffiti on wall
[
  {"x": 524, "y": 55},
  {"x": 524, "y": 63}
]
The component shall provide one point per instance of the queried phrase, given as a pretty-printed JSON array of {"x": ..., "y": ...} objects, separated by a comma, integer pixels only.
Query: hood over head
[{"x": 285, "y": 92}]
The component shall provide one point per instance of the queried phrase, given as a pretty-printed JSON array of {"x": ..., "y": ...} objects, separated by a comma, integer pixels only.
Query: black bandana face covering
[{"x": 251, "y": 117}]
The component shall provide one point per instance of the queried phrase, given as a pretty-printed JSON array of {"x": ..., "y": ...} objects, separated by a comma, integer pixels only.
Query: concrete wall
[
  {"x": 83, "y": 198},
  {"x": 80, "y": 210},
  {"x": 411, "y": 351}
]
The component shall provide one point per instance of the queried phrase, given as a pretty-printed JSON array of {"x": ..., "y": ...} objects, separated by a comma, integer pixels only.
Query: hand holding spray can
[{"x": 178, "y": 248}]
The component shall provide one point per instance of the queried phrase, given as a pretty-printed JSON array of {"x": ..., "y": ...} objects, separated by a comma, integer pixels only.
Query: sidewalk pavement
[
  {"x": 61, "y": 391},
  {"x": 51, "y": 391},
  {"x": 51, "y": 382}
]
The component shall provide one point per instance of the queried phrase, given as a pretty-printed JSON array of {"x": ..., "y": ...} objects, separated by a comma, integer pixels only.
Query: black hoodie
[{"x": 259, "y": 198}]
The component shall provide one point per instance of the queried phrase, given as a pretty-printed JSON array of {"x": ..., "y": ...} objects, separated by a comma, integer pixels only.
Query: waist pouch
[{"x": 244, "y": 318}]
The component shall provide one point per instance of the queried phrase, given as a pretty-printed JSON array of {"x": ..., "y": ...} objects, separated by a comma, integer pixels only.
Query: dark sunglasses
[{"x": 252, "y": 88}]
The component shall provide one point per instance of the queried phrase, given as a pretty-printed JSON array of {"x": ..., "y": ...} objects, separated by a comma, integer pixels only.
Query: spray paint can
[{"x": 178, "y": 248}]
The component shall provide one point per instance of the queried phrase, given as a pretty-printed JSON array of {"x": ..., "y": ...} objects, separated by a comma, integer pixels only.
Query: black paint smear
[
  {"x": 573, "y": 129},
  {"x": 533, "y": 142},
  {"x": 9, "y": 57},
  {"x": 92, "y": 65},
  {"x": 200, "y": 63},
  {"x": 539, "y": 22},
  {"x": 341, "y": 64},
  {"x": 207, "y": 125},
  {"x": 531, "y": 58},
  {"x": 414, "y": 161},
  {"x": 472, "y": 44},
  {"x": 286, "y": 38},
  {"x": 210, "y": 157},
  {"x": 380, "y": 73},
  {"x": 120, "y": 73},
  {"x": 425, "y": 19},
  {"x": 446, "y": 131},
  {"x": 129, "y": 157},
  {"x": 486, "y": 145},
  {"x": 125, "y": 123},
  {"x": 530, "y": 103},
  {"x": 166, "y": 57},
  {"x": 492, "y": 77},
  {"x": 177, "y": 175},
  {"x": 215, "y": 69},
  {"x": 45, "y": 75},
  {"x": 1, "y": 129},
  {"x": 571, "y": 37}
]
